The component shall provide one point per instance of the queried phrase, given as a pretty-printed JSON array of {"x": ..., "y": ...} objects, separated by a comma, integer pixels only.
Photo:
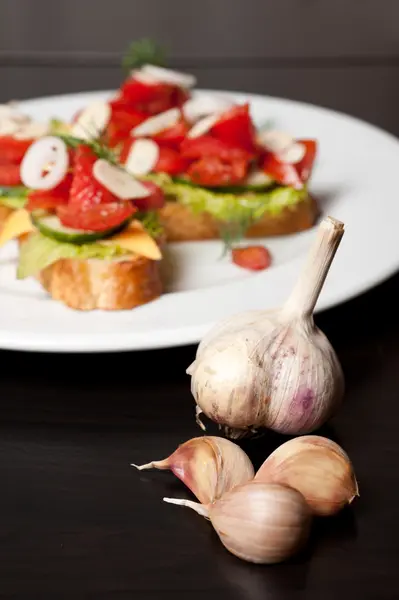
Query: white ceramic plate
[{"x": 355, "y": 180}]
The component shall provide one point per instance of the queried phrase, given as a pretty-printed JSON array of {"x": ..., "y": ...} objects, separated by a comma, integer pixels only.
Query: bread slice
[
  {"x": 181, "y": 224},
  {"x": 102, "y": 284}
]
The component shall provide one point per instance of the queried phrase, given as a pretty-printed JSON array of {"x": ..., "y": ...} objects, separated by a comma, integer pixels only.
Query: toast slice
[
  {"x": 181, "y": 224},
  {"x": 102, "y": 284}
]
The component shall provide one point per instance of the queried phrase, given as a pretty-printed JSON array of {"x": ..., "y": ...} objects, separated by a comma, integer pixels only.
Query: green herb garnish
[
  {"x": 143, "y": 52},
  {"x": 98, "y": 146},
  {"x": 150, "y": 222}
]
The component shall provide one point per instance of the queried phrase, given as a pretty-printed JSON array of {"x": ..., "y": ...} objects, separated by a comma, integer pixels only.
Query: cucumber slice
[
  {"x": 50, "y": 226},
  {"x": 232, "y": 189}
]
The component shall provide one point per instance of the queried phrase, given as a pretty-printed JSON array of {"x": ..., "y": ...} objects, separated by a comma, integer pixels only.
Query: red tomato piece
[
  {"x": 13, "y": 150},
  {"x": 235, "y": 127},
  {"x": 85, "y": 190},
  {"x": 214, "y": 172},
  {"x": 305, "y": 167},
  {"x": 10, "y": 174},
  {"x": 173, "y": 136},
  {"x": 206, "y": 146},
  {"x": 148, "y": 98},
  {"x": 153, "y": 202},
  {"x": 96, "y": 218},
  {"x": 254, "y": 258},
  {"x": 50, "y": 199},
  {"x": 283, "y": 173},
  {"x": 170, "y": 162},
  {"x": 122, "y": 121}
]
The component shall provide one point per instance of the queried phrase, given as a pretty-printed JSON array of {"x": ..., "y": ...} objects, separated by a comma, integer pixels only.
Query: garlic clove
[
  {"x": 156, "y": 124},
  {"x": 204, "y": 105},
  {"x": 170, "y": 76},
  {"x": 293, "y": 154},
  {"x": 258, "y": 522},
  {"x": 318, "y": 468},
  {"x": 203, "y": 126},
  {"x": 47, "y": 151},
  {"x": 142, "y": 157},
  {"x": 275, "y": 140},
  {"x": 118, "y": 181},
  {"x": 32, "y": 131},
  {"x": 92, "y": 121},
  {"x": 209, "y": 466},
  {"x": 142, "y": 77}
]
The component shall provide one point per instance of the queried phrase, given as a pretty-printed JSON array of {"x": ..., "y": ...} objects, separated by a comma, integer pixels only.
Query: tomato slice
[
  {"x": 123, "y": 119},
  {"x": 173, "y": 136},
  {"x": 294, "y": 175},
  {"x": 85, "y": 190},
  {"x": 95, "y": 218},
  {"x": 13, "y": 150},
  {"x": 148, "y": 98},
  {"x": 50, "y": 199},
  {"x": 254, "y": 258},
  {"x": 214, "y": 172},
  {"x": 170, "y": 162},
  {"x": 10, "y": 174},
  {"x": 305, "y": 167},
  {"x": 153, "y": 202},
  {"x": 206, "y": 146},
  {"x": 235, "y": 127}
]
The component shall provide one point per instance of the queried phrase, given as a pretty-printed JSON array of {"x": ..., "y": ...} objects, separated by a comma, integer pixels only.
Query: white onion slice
[
  {"x": 158, "y": 123},
  {"x": 293, "y": 154},
  {"x": 92, "y": 121},
  {"x": 275, "y": 141},
  {"x": 143, "y": 77},
  {"x": 202, "y": 106},
  {"x": 203, "y": 126},
  {"x": 142, "y": 157},
  {"x": 8, "y": 127},
  {"x": 45, "y": 164},
  {"x": 163, "y": 75},
  {"x": 259, "y": 178},
  {"x": 118, "y": 181}
]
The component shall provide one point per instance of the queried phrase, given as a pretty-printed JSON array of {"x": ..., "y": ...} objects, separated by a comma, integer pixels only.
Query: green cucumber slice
[
  {"x": 50, "y": 226},
  {"x": 236, "y": 189}
]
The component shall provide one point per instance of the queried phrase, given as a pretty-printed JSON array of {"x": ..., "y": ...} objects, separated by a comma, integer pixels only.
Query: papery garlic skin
[
  {"x": 268, "y": 376},
  {"x": 273, "y": 369},
  {"x": 318, "y": 468},
  {"x": 258, "y": 522},
  {"x": 209, "y": 466}
]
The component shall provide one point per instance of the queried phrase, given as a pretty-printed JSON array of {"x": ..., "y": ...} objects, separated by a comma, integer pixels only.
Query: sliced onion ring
[{"x": 46, "y": 152}]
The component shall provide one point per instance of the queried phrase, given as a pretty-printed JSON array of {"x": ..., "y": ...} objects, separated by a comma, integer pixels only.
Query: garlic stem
[
  {"x": 199, "y": 508},
  {"x": 304, "y": 296},
  {"x": 155, "y": 464}
]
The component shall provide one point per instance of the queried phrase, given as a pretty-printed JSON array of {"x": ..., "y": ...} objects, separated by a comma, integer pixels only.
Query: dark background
[
  {"x": 342, "y": 54},
  {"x": 75, "y": 521}
]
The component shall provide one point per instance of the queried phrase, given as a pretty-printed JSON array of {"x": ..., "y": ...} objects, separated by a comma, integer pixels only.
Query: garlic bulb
[
  {"x": 273, "y": 369},
  {"x": 316, "y": 467},
  {"x": 258, "y": 522},
  {"x": 209, "y": 466}
]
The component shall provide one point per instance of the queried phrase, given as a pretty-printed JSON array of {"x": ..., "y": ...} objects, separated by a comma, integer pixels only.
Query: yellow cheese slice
[
  {"x": 15, "y": 225},
  {"x": 137, "y": 240}
]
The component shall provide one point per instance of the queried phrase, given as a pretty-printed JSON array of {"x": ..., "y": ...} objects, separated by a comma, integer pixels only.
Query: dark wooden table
[{"x": 78, "y": 522}]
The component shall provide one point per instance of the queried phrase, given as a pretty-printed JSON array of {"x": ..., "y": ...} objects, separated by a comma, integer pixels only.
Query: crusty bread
[
  {"x": 181, "y": 224},
  {"x": 103, "y": 284},
  {"x": 4, "y": 214}
]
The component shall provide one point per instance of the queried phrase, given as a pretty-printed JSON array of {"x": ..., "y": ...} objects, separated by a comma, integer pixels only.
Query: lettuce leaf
[
  {"x": 13, "y": 197},
  {"x": 229, "y": 207},
  {"x": 39, "y": 252}
]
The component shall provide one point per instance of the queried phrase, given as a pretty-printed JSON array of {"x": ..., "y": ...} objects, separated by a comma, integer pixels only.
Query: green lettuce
[
  {"x": 39, "y": 252},
  {"x": 13, "y": 197},
  {"x": 230, "y": 207}
]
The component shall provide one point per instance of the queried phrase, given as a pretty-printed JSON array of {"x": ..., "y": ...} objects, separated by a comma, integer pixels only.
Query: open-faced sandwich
[
  {"x": 17, "y": 132},
  {"x": 85, "y": 233},
  {"x": 221, "y": 177}
]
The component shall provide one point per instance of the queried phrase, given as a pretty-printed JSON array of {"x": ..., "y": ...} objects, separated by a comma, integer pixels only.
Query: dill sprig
[
  {"x": 232, "y": 232},
  {"x": 143, "y": 52},
  {"x": 98, "y": 146},
  {"x": 151, "y": 223}
]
